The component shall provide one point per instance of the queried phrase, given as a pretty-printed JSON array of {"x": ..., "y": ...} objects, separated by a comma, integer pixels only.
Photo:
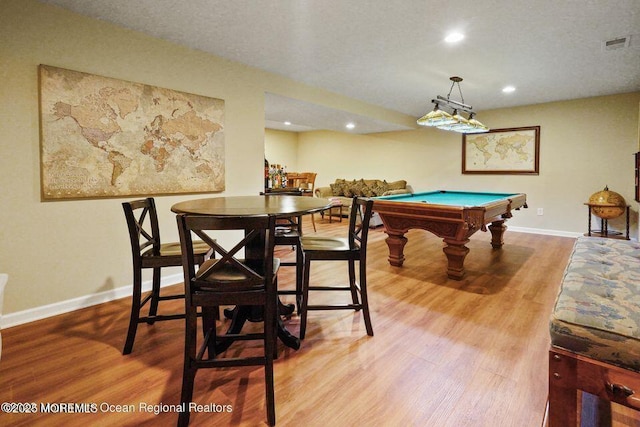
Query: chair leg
[
  {"x": 305, "y": 298},
  {"x": 299, "y": 273},
  {"x": 352, "y": 283},
  {"x": 189, "y": 369},
  {"x": 270, "y": 393},
  {"x": 270, "y": 334},
  {"x": 365, "y": 299},
  {"x": 135, "y": 311},
  {"x": 155, "y": 295},
  {"x": 188, "y": 379}
]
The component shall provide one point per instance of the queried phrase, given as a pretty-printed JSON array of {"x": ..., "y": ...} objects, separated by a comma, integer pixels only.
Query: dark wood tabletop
[{"x": 282, "y": 206}]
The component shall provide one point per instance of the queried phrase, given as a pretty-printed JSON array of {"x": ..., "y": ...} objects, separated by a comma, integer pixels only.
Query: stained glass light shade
[
  {"x": 436, "y": 117},
  {"x": 477, "y": 127}
]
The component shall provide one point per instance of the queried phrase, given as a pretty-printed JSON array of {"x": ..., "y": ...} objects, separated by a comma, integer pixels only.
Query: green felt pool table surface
[{"x": 452, "y": 198}]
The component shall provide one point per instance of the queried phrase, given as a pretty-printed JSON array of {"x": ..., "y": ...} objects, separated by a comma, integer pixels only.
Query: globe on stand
[{"x": 607, "y": 204}]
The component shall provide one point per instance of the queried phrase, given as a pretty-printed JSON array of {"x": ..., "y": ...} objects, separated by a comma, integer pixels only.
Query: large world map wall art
[{"x": 103, "y": 137}]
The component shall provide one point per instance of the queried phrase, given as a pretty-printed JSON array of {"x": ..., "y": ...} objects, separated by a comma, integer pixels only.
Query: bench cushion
[{"x": 597, "y": 311}]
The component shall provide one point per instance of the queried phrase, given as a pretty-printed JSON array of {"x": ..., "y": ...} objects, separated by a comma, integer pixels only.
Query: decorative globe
[{"x": 607, "y": 204}]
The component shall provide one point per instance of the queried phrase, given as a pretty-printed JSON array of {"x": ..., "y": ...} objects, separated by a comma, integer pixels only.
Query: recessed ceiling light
[
  {"x": 350, "y": 125},
  {"x": 508, "y": 89},
  {"x": 454, "y": 37},
  {"x": 287, "y": 123}
]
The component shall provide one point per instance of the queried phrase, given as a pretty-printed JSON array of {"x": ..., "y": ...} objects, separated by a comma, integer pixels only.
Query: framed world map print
[
  {"x": 103, "y": 137},
  {"x": 502, "y": 151}
]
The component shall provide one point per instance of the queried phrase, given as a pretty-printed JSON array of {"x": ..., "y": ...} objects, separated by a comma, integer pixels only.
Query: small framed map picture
[
  {"x": 104, "y": 137},
  {"x": 502, "y": 151}
]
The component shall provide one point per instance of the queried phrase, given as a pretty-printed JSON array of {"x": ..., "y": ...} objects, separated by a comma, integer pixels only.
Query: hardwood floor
[{"x": 445, "y": 353}]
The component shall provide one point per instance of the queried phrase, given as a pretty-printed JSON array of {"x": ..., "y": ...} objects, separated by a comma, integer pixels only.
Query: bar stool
[
  {"x": 148, "y": 252},
  {"x": 350, "y": 249},
  {"x": 246, "y": 283}
]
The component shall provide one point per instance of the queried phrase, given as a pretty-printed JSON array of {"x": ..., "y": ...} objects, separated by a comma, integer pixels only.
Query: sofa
[{"x": 343, "y": 190}]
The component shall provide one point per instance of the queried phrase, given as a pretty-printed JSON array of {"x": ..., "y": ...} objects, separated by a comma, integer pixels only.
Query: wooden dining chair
[
  {"x": 288, "y": 233},
  {"x": 310, "y": 184},
  {"x": 309, "y": 179},
  {"x": 228, "y": 280},
  {"x": 149, "y": 252},
  {"x": 305, "y": 182},
  {"x": 350, "y": 249}
]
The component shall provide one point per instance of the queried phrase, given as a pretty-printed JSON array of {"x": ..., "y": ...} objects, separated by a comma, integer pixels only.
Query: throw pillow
[
  {"x": 337, "y": 189},
  {"x": 360, "y": 188},
  {"x": 380, "y": 188},
  {"x": 349, "y": 188},
  {"x": 397, "y": 185}
]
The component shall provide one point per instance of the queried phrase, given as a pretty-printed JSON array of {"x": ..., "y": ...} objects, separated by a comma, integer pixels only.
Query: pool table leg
[
  {"x": 497, "y": 229},
  {"x": 456, "y": 251},
  {"x": 396, "y": 242}
]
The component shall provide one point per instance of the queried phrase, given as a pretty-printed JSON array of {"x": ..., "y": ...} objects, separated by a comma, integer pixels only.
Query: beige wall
[
  {"x": 72, "y": 250},
  {"x": 281, "y": 148},
  {"x": 585, "y": 144}
]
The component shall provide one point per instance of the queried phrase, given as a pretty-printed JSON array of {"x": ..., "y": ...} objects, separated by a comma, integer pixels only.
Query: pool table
[{"x": 452, "y": 215}]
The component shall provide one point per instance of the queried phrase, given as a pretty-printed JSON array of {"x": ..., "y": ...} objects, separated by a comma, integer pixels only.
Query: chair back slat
[
  {"x": 359, "y": 219},
  {"x": 144, "y": 230},
  {"x": 256, "y": 268}
]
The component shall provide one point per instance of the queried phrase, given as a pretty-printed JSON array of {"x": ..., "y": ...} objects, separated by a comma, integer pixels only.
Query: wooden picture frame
[{"x": 502, "y": 151}]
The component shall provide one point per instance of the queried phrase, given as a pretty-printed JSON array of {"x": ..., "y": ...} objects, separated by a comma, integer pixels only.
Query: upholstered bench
[{"x": 595, "y": 328}]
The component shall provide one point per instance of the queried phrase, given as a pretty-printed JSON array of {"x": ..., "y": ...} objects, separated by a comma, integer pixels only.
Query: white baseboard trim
[
  {"x": 545, "y": 232},
  {"x": 50, "y": 310}
]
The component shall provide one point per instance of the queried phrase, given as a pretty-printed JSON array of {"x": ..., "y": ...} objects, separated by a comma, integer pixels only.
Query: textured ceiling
[{"x": 391, "y": 53}]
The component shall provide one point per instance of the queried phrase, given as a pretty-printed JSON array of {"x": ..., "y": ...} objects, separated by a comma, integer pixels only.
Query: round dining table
[
  {"x": 278, "y": 205},
  {"x": 282, "y": 206}
]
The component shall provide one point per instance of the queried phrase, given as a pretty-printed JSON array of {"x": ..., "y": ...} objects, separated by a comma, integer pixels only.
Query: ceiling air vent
[{"x": 617, "y": 43}]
